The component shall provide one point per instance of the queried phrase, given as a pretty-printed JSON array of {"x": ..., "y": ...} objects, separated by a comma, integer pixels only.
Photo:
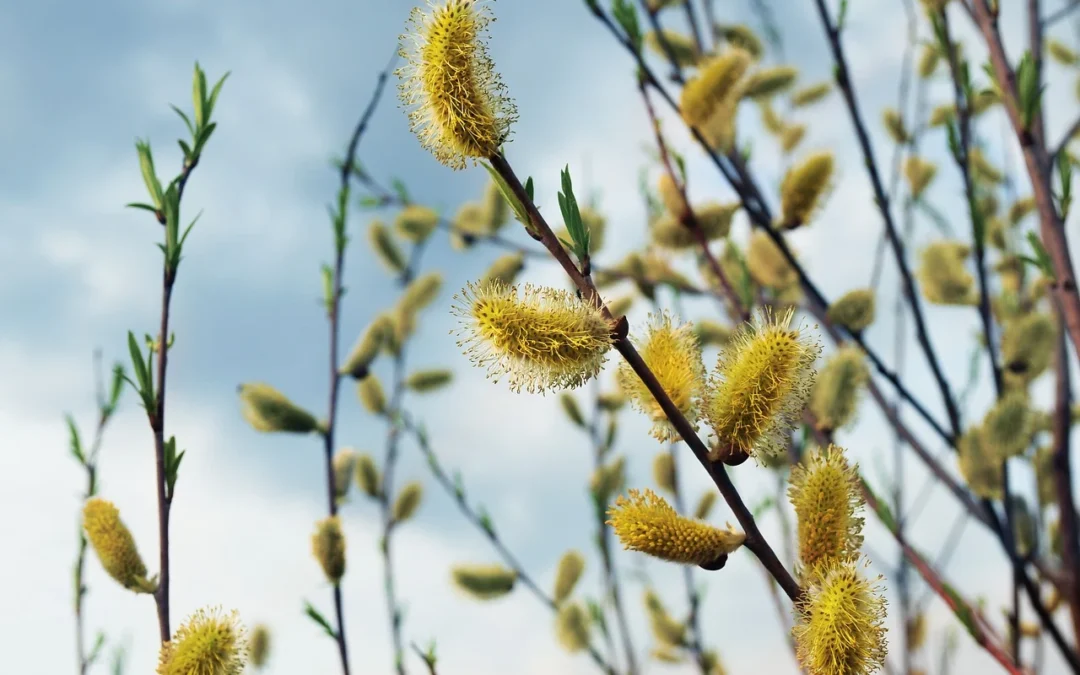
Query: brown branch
[
  {"x": 755, "y": 541},
  {"x": 1062, "y": 465}
]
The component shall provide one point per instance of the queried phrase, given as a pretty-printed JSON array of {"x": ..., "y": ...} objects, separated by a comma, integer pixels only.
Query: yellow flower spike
[
  {"x": 769, "y": 82},
  {"x": 663, "y": 471},
  {"x": 667, "y": 631},
  {"x": 484, "y": 582},
  {"x": 854, "y": 310},
  {"x": 714, "y": 220},
  {"x": 673, "y": 354},
  {"x": 791, "y": 137},
  {"x": 835, "y": 396},
  {"x": 919, "y": 174},
  {"x": 115, "y": 546},
  {"x": 647, "y": 523},
  {"x": 929, "y": 58},
  {"x": 416, "y": 222},
  {"x": 716, "y": 81},
  {"x": 545, "y": 339},
  {"x": 1027, "y": 346},
  {"x": 742, "y": 36},
  {"x": 811, "y": 94},
  {"x": 894, "y": 125},
  {"x": 505, "y": 269},
  {"x": 259, "y": 646},
  {"x": 408, "y": 501},
  {"x": 385, "y": 248},
  {"x": 839, "y": 628},
  {"x": 267, "y": 409},
  {"x": 367, "y": 348},
  {"x": 1021, "y": 209},
  {"x": 942, "y": 275},
  {"x": 1008, "y": 425},
  {"x": 761, "y": 383},
  {"x": 682, "y": 46},
  {"x": 572, "y": 627},
  {"x": 459, "y": 109},
  {"x": 367, "y": 475},
  {"x": 804, "y": 188},
  {"x": 328, "y": 547},
  {"x": 671, "y": 197},
  {"x": 208, "y": 643},
  {"x": 371, "y": 394},
  {"x": 826, "y": 495},
  {"x": 981, "y": 469},
  {"x": 344, "y": 465},
  {"x": 767, "y": 264},
  {"x": 571, "y": 566},
  {"x": 421, "y": 292}
]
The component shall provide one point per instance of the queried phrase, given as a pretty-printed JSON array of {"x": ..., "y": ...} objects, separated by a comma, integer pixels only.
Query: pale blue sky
[{"x": 77, "y": 271}]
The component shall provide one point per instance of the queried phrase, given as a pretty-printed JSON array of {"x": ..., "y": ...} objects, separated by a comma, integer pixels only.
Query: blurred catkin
[
  {"x": 742, "y": 36},
  {"x": 569, "y": 571},
  {"x": 371, "y": 394},
  {"x": 608, "y": 479},
  {"x": 682, "y": 46},
  {"x": 267, "y": 409},
  {"x": 767, "y": 264},
  {"x": 839, "y": 383},
  {"x": 416, "y": 222},
  {"x": 546, "y": 338},
  {"x": 1061, "y": 53},
  {"x": 432, "y": 379},
  {"x": 894, "y": 125},
  {"x": 645, "y": 522},
  {"x": 704, "y": 505},
  {"x": 385, "y": 249},
  {"x": 804, "y": 188},
  {"x": 570, "y": 406},
  {"x": 663, "y": 469},
  {"x": 259, "y": 646},
  {"x": 810, "y": 95},
  {"x": 421, "y": 292},
  {"x": 208, "y": 643},
  {"x": 769, "y": 82},
  {"x": 919, "y": 174},
  {"x": 115, "y": 546},
  {"x": 328, "y": 547},
  {"x": 762, "y": 380},
  {"x": 980, "y": 467},
  {"x": 854, "y": 310},
  {"x": 711, "y": 333},
  {"x": 458, "y": 107},
  {"x": 484, "y": 582},
  {"x": 366, "y": 348},
  {"x": 408, "y": 501},
  {"x": 1027, "y": 346},
  {"x": 672, "y": 353},
  {"x": 505, "y": 268},
  {"x": 572, "y": 627},
  {"x": 344, "y": 466},
  {"x": 942, "y": 275},
  {"x": 367, "y": 475},
  {"x": 667, "y": 631},
  {"x": 791, "y": 137},
  {"x": 715, "y": 82},
  {"x": 1007, "y": 427}
]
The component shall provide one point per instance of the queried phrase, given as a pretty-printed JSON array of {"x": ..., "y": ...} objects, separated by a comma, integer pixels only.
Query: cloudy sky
[{"x": 77, "y": 271}]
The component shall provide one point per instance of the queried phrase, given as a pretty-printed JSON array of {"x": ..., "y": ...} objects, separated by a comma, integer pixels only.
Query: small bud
[
  {"x": 423, "y": 381},
  {"x": 704, "y": 505},
  {"x": 505, "y": 269},
  {"x": 769, "y": 82},
  {"x": 608, "y": 479},
  {"x": 382, "y": 243},
  {"x": 894, "y": 125},
  {"x": 854, "y": 310},
  {"x": 573, "y": 411},
  {"x": 919, "y": 173},
  {"x": 267, "y": 409},
  {"x": 571, "y": 566},
  {"x": 421, "y": 292},
  {"x": 742, "y": 36},
  {"x": 682, "y": 46},
  {"x": 667, "y": 631},
  {"x": 367, "y": 475},
  {"x": 572, "y": 627},
  {"x": 663, "y": 468},
  {"x": 484, "y": 582},
  {"x": 1061, "y": 52},
  {"x": 366, "y": 348},
  {"x": 259, "y": 646},
  {"x": 791, "y": 137},
  {"x": 929, "y": 58},
  {"x": 371, "y": 395},
  {"x": 416, "y": 223},
  {"x": 328, "y": 547},
  {"x": 810, "y": 95},
  {"x": 344, "y": 465},
  {"x": 408, "y": 501},
  {"x": 804, "y": 187}
]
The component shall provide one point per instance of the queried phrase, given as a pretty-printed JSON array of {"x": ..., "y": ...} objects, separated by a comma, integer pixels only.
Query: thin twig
[{"x": 1062, "y": 466}]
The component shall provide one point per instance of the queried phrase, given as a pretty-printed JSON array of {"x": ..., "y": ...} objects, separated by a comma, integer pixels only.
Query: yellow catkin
[
  {"x": 979, "y": 466},
  {"x": 704, "y": 505},
  {"x": 1021, "y": 209},
  {"x": 571, "y": 566},
  {"x": 942, "y": 275},
  {"x": 458, "y": 106},
  {"x": 1061, "y": 53},
  {"x": 267, "y": 409},
  {"x": 671, "y": 197},
  {"x": 791, "y": 137},
  {"x": 328, "y": 547},
  {"x": 496, "y": 208},
  {"x": 667, "y": 631},
  {"x": 344, "y": 466},
  {"x": 942, "y": 115},
  {"x": 672, "y": 353},
  {"x": 1045, "y": 475},
  {"x": 572, "y": 627},
  {"x": 1007, "y": 427},
  {"x": 432, "y": 379},
  {"x": 825, "y": 492},
  {"x": 714, "y": 84},
  {"x": 894, "y": 125},
  {"x": 484, "y": 582},
  {"x": 761, "y": 383},
  {"x": 767, "y": 264},
  {"x": 711, "y": 333},
  {"x": 471, "y": 220},
  {"x": 663, "y": 471},
  {"x": 645, "y": 522},
  {"x": 835, "y": 396},
  {"x": 408, "y": 501},
  {"x": 682, "y": 47},
  {"x": 416, "y": 222},
  {"x": 839, "y": 628},
  {"x": 804, "y": 187},
  {"x": 505, "y": 269},
  {"x": 259, "y": 646},
  {"x": 114, "y": 545},
  {"x": 982, "y": 169},
  {"x": 810, "y": 95},
  {"x": 854, "y": 310},
  {"x": 929, "y": 59},
  {"x": 919, "y": 174},
  {"x": 367, "y": 475},
  {"x": 210, "y": 642},
  {"x": 371, "y": 394},
  {"x": 742, "y": 36},
  {"x": 385, "y": 248},
  {"x": 367, "y": 348},
  {"x": 769, "y": 82},
  {"x": 1027, "y": 346},
  {"x": 546, "y": 338},
  {"x": 421, "y": 292},
  {"x": 713, "y": 219}
]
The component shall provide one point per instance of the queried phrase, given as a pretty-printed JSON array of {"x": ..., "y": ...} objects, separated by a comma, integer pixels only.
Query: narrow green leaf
[
  {"x": 187, "y": 121},
  {"x": 95, "y": 651},
  {"x": 76, "y": 444},
  {"x": 145, "y": 207},
  {"x": 116, "y": 387},
  {"x": 198, "y": 95},
  {"x": 214, "y": 94},
  {"x": 400, "y": 190},
  {"x": 318, "y": 618},
  {"x": 519, "y": 209},
  {"x": 138, "y": 364},
  {"x": 146, "y": 166}
]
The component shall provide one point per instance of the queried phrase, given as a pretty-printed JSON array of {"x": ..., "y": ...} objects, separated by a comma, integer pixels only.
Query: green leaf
[
  {"x": 141, "y": 373},
  {"x": 183, "y": 116},
  {"x": 1042, "y": 258},
  {"x": 962, "y": 611},
  {"x": 204, "y": 136},
  {"x": 214, "y": 94},
  {"x": 198, "y": 96},
  {"x": 76, "y": 444},
  {"x": 144, "y": 207},
  {"x": 763, "y": 506},
  {"x": 883, "y": 511},
  {"x": 518, "y": 208},
  {"x": 146, "y": 166},
  {"x": 841, "y": 16},
  {"x": 116, "y": 387},
  {"x": 1064, "y": 198},
  {"x": 185, "y": 148},
  {"x": 485, "y": 522},
  {"x": 95, "y": 651},
  {"x": 572, "y": 217},
  {"x": 626, "y": 15},
  {"x": 318, "y": 618},
  {"x": 400, "y": 190},
  {"x": 370, "y": 202},
  {"x": 328, "y": 286}
]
